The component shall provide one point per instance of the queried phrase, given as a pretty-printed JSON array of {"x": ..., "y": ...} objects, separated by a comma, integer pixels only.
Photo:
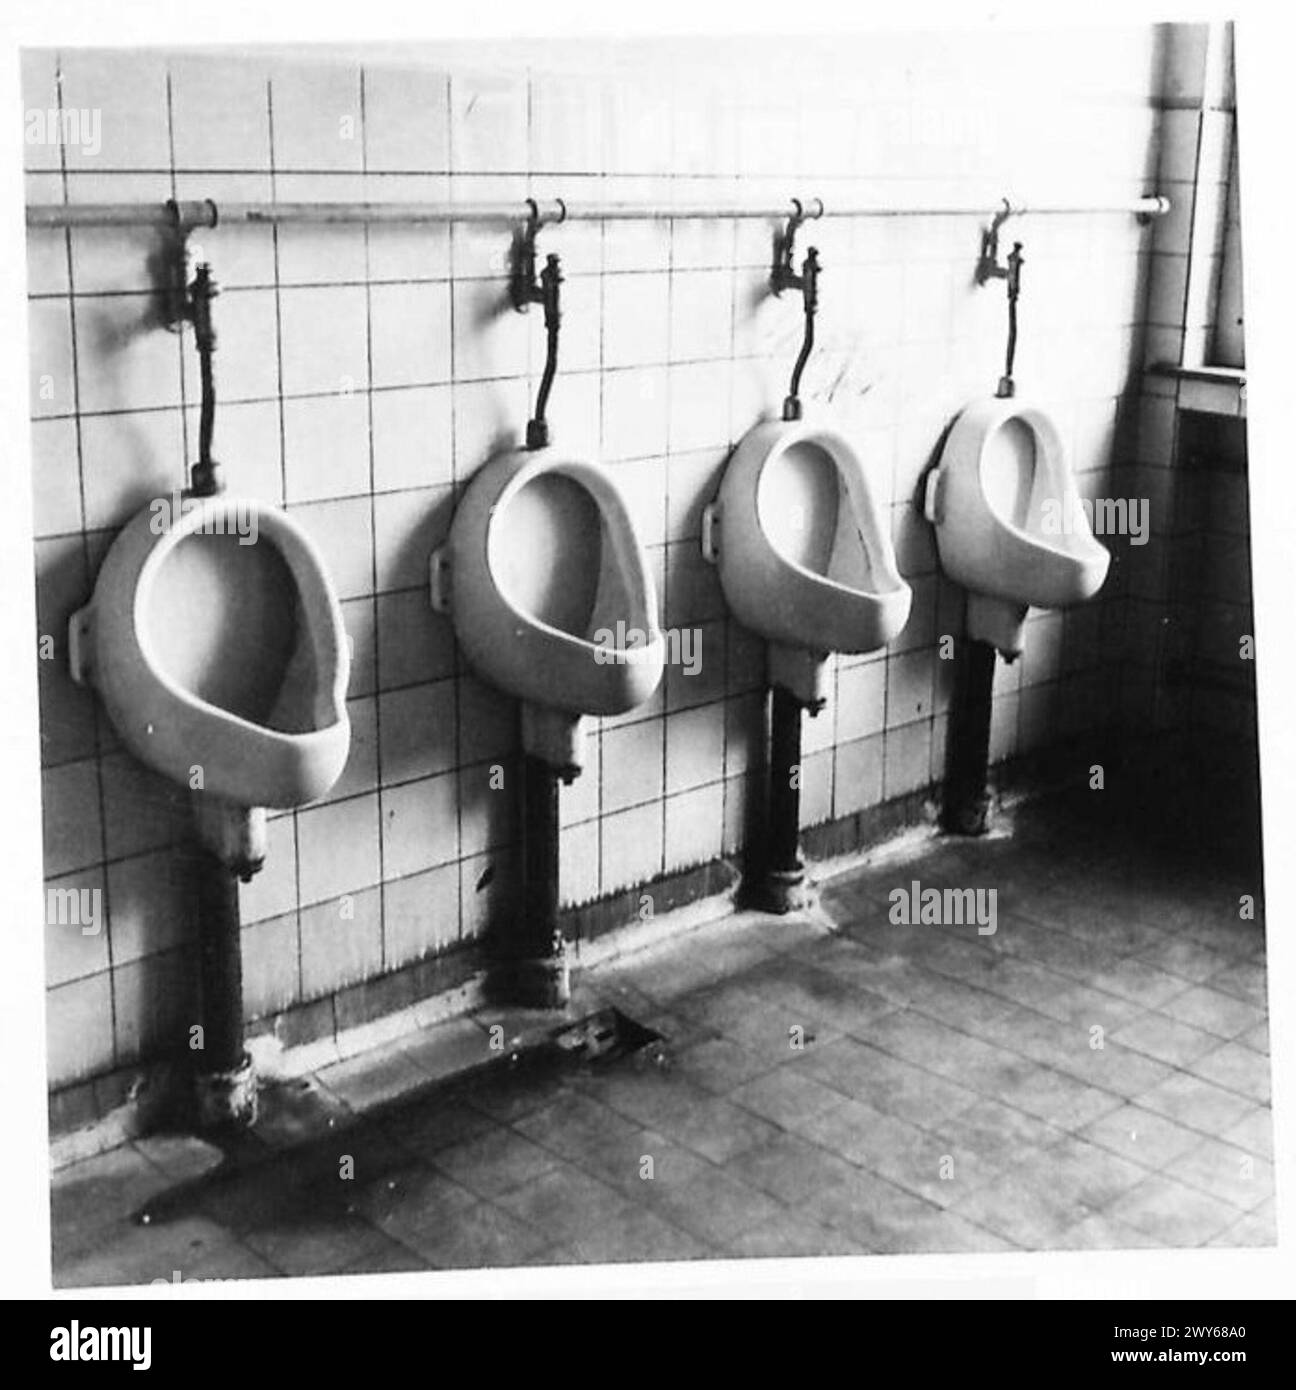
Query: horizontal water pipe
[{"x": 205, "y": 213}]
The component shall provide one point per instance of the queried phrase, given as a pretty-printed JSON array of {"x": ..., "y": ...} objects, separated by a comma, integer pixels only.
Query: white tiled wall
[{"x": 366, "y": 373}]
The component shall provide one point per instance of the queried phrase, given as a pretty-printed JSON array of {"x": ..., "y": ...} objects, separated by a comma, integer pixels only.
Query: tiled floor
[{"x": 1094, "y": 1074}]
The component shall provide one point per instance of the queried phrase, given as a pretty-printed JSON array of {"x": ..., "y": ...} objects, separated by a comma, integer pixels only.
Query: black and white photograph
[{"x": 645, "y": 652}]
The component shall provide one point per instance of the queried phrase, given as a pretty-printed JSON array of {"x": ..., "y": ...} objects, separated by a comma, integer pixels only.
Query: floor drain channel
[{"x": 605, "y": 1036}]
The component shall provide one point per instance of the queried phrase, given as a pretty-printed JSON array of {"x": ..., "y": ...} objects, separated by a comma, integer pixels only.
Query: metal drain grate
[{"x": 606, "y": 1035}]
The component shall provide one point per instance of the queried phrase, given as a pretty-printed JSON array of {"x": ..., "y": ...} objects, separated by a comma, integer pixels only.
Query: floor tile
[
  {"x": 1166, "y": 1039},
  {"x": 1236, "y": 1068},
  {"x": 1175, "y": 1214},
  {"x": 1226, "y": 1172},
  {"x": 1140, "y": 1135},
  {"x": 1253, "y": 1132},
  {"x": 493, "y": 1163},
  {"x": 1024, "y": 1208},
  {"x": 1214, "y": 1011},
  {"x": 1195, "y": 1103}
]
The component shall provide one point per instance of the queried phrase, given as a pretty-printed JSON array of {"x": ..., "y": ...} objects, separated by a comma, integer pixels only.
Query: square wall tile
[
  {"x": 271, "y": 966},
  {"x": 907, "y": 759},
  {"x": 489, "y": 417},
  {"x": 154, "y": 1005},
  {"x": 861, "y": 700},
  {"x": 72, "y": 825},
  {"x": 325, "y": 340},
  {"x": 123, "y": 101},
  {"x": 76, "y": 926},
  {"x": 701, "y": 323},
  {"x": 417, "y": 727},
  {"x": 153, "y": 903},
  {"x": 337, "y": 848},
  {"x": 247, "y": 366},
  {"x": 49, "y": 328},
  {"x": 414, "y": 643},
  {"x": 317, "y": 117},
  {"x": 78, "y": 1029},
  {"x": 700, "y": 394},
  {"x": 56, "y": 477},
  {"x": 634, "y": 413},
  {"x": 488, "y": 122},
  {"x": 488, "y": 892},
  {"x": 694, "y": 824},
  {"x": 407, "y": 118},
  {"x": 343, "y": 531},
  {"x": 420, "y": 825},
  {"x": 631, "y": 847},
  {"x": 130, "y": 461},
  {"x": 488, "y": 807},
  {"x": 249, "y": 445},
  {"x": 125, "y": 361},
  {"x": 407, "y": 528},
  {"x": 857, "y": 775},
  {"x": 490, "y": 337},
  {"x": 636, "y": 320},
  {"x": 574, "y": 412},
  {"x": 642, "y": 485},
  {"x": 341, "y": 942},
  {"x": 632, "y": 764},
  {"x": 909, "y": 686},
  {"x": 692, "y": 481},
  {"x": 413, "y": 442},
  {"x": 566, "y": 123},
  {"x": 578, "y": 863},
  {"x": 410, "y": 334},
  {"x": 420, "y": 914},
  {"x": 816, "y": 788},
  {"x": 695, "y": 747},
  {"x": 488, "y": 723},
  {"x": 142, "y": 809},
  {"x": 220, "y": 112}
]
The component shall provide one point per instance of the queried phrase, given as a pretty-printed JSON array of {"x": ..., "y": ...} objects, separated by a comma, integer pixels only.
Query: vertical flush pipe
[{"x": 528, "y": 964}]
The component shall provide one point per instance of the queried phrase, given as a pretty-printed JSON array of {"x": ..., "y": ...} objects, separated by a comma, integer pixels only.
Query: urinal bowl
[
  {"x": 804, "y": 553},
  {"x": 549, "y": 592},
  {"x": 1009, "y": 524},
  {"x": 222, "y": 664}
]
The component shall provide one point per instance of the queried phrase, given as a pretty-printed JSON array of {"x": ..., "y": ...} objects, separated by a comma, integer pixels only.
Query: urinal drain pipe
[
  {"x": 527, "y": 959},
  {"x": 778, "y": 884},
  {"x": 966, "y": 804},
  {"x": 226, "y": 1086},
  {"x": 785, "y": 782}
]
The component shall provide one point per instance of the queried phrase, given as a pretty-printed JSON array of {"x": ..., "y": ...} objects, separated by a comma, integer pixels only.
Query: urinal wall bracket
[{"x": 80, "y": 644}]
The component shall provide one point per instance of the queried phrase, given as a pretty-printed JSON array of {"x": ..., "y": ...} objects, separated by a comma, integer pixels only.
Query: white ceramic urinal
[
  {"x": 804, "y": 553},
  {"x": 1009, "y": 523},
  {"x": 550, "y": 595},
  {"x": 216, "y": 644}
]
